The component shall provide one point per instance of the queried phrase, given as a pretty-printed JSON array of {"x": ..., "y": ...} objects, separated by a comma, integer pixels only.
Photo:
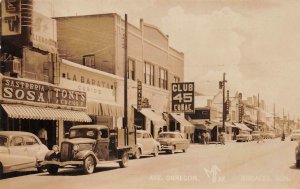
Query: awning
[
  {"x": 213, "y": 124},
  {"x": 249, "y": 122},
  {"x": 31, "y": 112},
  {"x": 102, "y": 109},
  {"x": 199, "y": 123},
  {"x": 242, "y": 126},
  {"x": 181, "y": 120},
  {"x": 156, "y": 118}
]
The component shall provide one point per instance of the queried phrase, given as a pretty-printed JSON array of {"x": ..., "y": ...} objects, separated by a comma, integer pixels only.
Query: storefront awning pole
[{"x": 125, "y": 120}]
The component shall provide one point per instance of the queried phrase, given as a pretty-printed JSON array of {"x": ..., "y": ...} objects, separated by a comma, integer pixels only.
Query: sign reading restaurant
[
  {"x": 183, "y": 97},
  {"x": 16, "y": 89}
]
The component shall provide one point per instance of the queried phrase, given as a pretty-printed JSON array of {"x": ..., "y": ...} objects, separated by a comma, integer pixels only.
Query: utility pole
[
  {"x": 125, "y": 120},
  {"x": 222, "y": 86},
  {"x": 257, "y": 120},
  {"x": 274, "y": 118},
  {"x": 224, "y": 109}
]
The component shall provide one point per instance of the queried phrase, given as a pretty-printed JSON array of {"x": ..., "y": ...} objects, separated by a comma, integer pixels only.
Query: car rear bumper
[
  {"x": 62, "y": 164},
  {"x": 166, "y": 147}
]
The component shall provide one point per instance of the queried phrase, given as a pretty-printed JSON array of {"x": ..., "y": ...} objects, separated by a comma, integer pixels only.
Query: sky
[{"x": 255, "y": 42}]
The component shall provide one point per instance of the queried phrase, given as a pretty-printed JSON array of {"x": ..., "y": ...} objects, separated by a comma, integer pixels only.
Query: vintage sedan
[
  {"x": 146, "y": 145},
  {"x": 172, "y": 141},
  {"x": 244, "y": 136},
  {"x": 298, "y": 155},
  {"x": 270, "y": 135},
  {"x": 256, "y": 135},
  {"x": 295, "y": 135},
  {"x": 20, "y": 150}
]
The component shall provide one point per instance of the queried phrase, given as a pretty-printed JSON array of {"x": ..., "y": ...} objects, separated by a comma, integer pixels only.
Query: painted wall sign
[
  {"x": 183, "y": 99},
  {"x": 93, "y": 92},
  {"x": 11, "y": 17},
  {"x": 21, "y": 90},
  {"x": 139, "y": 95}
]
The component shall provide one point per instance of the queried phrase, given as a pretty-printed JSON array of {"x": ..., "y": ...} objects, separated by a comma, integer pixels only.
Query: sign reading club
[{"x": 183, "y": 97}]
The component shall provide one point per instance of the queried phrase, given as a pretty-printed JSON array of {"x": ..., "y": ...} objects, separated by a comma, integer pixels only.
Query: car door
[
  {"x": 152, "y": 144},
  {"x": 33, "y": 147},
  {"x": 19, "y": 154},
  {"x": 103, "y": 145},
  {"x": 147, "y": 144}
]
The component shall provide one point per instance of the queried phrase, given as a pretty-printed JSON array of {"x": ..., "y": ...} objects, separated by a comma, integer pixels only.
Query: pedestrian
[
  {"x": 43, "y": 135},
  {"x": 199, "y": 138},
  {"x": 208, "y": 137},
  {"x": 203, "y": 138},
  {"x": 222, "y": 138},
  {"x": 160, "y": 130}
]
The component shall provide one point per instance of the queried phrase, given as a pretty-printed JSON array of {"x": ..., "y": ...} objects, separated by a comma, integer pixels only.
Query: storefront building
[
  {"x": 30, "y": 67},
  {"x": 104, "y": 102},
  {"x": 29, "y": 105},
  {"x": 150, "y": 60}
]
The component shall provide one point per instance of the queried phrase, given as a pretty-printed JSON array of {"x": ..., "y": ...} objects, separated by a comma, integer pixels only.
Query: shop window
[
  {"x": 149, "y": 73},
  {"x": 131, "y": 69},
  {"x": 89, "y": 60},
  {"x": 163, "y": 78}
]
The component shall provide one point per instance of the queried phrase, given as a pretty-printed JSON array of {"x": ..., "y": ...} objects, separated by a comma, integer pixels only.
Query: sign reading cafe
[{"x": 29, "y": 91}]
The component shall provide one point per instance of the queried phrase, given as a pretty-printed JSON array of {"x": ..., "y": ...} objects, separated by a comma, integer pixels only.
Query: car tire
[
  {"x": 40, "y": 169},
  {"x": 184, "y": 150},
  {"x": 52, "y": 169},
  {"x": 89, "y": 165},
  {"x": 137, "y": 154},
  {"x": 155, "y": 154},
  {"x": 124, "y": 160},
  {"x": 172, "y": 151},
  {"x": 298, "y": 163},
  {"x": 1, "y": 171}
]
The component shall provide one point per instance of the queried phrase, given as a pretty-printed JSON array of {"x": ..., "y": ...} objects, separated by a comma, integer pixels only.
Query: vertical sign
[
  {"x": 183, "y": 97},
  {"x": 11, "y": 17},
  {"x": 139, "y": 95}
]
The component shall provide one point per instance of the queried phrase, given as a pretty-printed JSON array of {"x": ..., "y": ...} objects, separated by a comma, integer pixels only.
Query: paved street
[{"x": 235, "y": 165}]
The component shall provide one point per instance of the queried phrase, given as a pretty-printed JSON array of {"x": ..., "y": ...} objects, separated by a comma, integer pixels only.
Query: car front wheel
[
  {"x": 155, "y": 154},
  {"x": 124, "y": 161},
  {"x": 89, "y": 165},
  {"x": 137, "y": 154},
  {"x": 298, "y": 163},
  {"x": 1, "y": 171},
  {"x": 52, "y": 169}
]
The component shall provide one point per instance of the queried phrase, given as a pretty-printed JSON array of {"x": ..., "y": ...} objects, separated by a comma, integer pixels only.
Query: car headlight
[
  {"x": 76, "y": 148},
  {"x": 55, "y": 148}
]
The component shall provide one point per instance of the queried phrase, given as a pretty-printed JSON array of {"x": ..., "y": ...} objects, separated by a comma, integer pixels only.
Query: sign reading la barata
[{"x": 21, "y": 90}]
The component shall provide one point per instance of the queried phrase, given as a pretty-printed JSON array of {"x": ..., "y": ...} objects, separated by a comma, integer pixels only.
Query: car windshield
[
  {"x": 139, "y": 135},
  {"x": 244, "y": 132},
  {"x": 83, "y": 133},
  {"x": 3, "y": 141},
  {"x": 167, "y": 135}
]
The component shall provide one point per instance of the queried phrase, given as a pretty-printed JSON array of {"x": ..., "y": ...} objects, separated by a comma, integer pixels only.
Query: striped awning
[
  {"x": 31, "y": 112},
  {"x": 101, "y": 109}
]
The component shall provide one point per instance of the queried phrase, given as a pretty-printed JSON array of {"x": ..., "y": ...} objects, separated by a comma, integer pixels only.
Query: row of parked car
[
  {"x": 86, "y": 147},
  {"x": 246, "y": 136}
]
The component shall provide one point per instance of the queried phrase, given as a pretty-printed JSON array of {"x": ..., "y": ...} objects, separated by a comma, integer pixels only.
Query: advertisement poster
[{"x": 150, "y": 94}]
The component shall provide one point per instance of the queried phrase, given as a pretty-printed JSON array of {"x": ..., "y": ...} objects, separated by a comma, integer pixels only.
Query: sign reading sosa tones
[
  {"x": 16, "y": 89},
  {"x": 183, "y": 97}
]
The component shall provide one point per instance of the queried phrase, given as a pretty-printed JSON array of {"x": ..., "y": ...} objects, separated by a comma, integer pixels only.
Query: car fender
[
  {"x": 140, "y": 146},
  {"x": 50, "y": 155},
  {"x": 157, "y": 144},
  {"x": 81, "y": 155},
  {"x": 41, "y": 154}
]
